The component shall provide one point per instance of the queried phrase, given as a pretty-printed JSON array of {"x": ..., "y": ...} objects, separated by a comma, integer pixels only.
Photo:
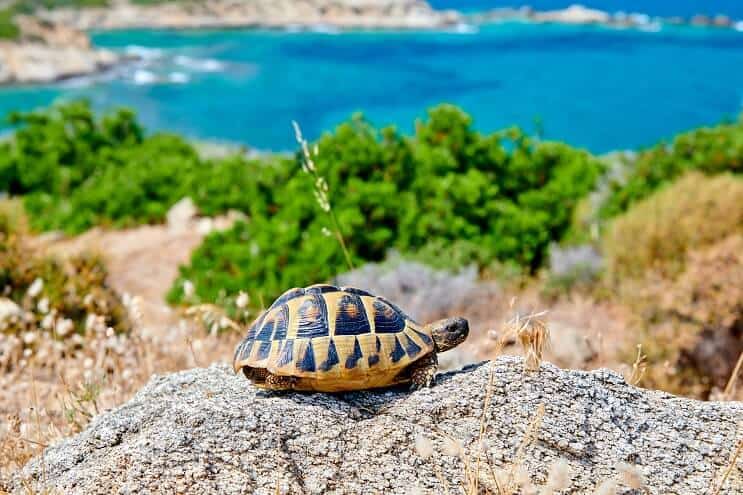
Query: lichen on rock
[{"x": 210, "y": 431}]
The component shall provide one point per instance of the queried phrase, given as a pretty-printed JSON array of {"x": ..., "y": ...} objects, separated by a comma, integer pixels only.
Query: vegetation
[
  {"x": 58, "y": 298},
  {"x": 657, "y": 232},
  {"x": 710, "y": 150},
  {"x": 448, "y": 195},
  {"x": 76, "y": 171},
  {"x": 692, "y": 322}
]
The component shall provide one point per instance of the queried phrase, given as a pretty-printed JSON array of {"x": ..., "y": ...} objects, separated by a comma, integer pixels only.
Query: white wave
[
  {"x": 640, "y": 19},
  {"x": 142, "y": 77},
  {"x": 324, "y": 29},
  {"x": 199, "y": 65},
  {"x": 652, "y": 27},
  {"x": 178, "y": 77},
  {"x": 464, "y": 28},
  {"x": 144, "y": 52}
]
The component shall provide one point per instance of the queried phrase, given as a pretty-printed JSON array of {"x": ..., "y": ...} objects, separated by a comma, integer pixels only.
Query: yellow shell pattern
[{"x": 334, "y": 339}]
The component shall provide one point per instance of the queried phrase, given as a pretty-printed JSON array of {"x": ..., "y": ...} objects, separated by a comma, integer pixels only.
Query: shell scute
[
  {"x": 386, "y": 319},
  {"x": 350, "y": 316},
  {"x": 312, "y": 317},
  {"x": 334, "y": 336}
]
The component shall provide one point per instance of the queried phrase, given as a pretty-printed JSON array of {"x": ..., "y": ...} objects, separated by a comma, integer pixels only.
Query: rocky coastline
[
  {"x": 580, "y": 15},
  {"x": 53, "y": 44},
  {"x": 341, "y": 14}
]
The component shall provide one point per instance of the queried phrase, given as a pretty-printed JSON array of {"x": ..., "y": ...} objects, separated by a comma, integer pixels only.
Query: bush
[
  {"x": 710, "y": 150},
  {"x": 77, "y": 171},
  {"x": 657, "y": 233},
  {"x": 50, "y": 298},
  {"x": 8, "y": 28},
  {"x": 694, "y": 322},
  {"x": 448, "y": 195}
]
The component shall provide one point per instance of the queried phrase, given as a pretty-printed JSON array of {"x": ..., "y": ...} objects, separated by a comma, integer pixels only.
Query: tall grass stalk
[{"x": 321, "y": 189}]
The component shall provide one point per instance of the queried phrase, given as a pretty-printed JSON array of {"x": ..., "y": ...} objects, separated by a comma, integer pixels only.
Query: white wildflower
[
  {"x": 326, "y": 232},
  {"x": 88, "y": 363},
  {"x": 242, "y": 300},
  {"x": 43, "y": 305},
  {"x": 64, "y": 327},
  {"x": 188, "y": 289},
  {"x": 29, "y": 338},
  {"x": 35, "y": 288},
  {"x": 27, "y": 353},
  {"x": 47, "y": 322}
]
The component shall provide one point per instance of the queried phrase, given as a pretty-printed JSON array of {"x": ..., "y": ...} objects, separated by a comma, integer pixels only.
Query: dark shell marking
[
  {"x": 386, "y": 319},
  {"x": 313, "y": 318},
  {"x": 271, "y": 336},
  {"x": 332, "y": 358},
  {"x": 308, "y": 361},
  {"x": 354, "y": 358},
  {"x": 351, "y": 316}
]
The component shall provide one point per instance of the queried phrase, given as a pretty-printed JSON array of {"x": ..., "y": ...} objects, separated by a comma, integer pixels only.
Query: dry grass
[
  {"x": 656, "y": 234},
  {"x": 44, "y": 401}
]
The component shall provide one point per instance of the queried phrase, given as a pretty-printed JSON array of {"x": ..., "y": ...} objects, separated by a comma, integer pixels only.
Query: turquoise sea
[{"x": 595, "y": 87}]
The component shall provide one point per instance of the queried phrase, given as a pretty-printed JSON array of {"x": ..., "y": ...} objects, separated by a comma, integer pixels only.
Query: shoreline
[{"x": 55, "y": 45}]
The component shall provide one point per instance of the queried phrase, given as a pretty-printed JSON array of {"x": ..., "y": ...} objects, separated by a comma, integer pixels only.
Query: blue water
[
  {"x": 666, "y": 8},
  {"x": 599, "y": 88}
]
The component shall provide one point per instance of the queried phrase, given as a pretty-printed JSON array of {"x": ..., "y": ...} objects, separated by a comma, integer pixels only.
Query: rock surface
[
  {"x": 26, "y": 63},
  {"x": 266, "y": 13},
  {"x": 209, "y": 431}
]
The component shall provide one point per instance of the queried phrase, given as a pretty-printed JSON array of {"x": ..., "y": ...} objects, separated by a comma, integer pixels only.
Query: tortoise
[{"x": 333, "y": 339}]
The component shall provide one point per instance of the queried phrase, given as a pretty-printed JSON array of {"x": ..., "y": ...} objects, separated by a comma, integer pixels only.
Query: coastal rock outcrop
[
  {"x": 210, "y": 431},
  {"x": 393, "y": 14},
  {"x": 47, "y": 51}
]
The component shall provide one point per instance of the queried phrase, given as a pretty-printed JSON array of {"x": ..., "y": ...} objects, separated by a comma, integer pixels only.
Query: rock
[
  {"x": 209, "y": 431},
  {"x": 575, "y": 14},
  {"x": 181, "y": 214},
  {"x": 391, "y": 14},
  {"x": 34, "y": 62}
]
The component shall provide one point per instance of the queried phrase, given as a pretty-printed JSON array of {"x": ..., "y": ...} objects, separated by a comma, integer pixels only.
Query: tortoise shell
[{"x": 333, "y": 338}]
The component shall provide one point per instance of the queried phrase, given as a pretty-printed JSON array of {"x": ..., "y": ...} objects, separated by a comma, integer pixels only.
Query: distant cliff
[
  {"x": 51, "y": 44},
  {"x": 397, "y": 14},
  {"x": 42, "y": 51}
]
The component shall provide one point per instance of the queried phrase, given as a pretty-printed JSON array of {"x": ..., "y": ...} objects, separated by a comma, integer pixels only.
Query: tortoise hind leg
[
  {"x": 423, "y": 372},
  {"x": 277, "y": 382}
]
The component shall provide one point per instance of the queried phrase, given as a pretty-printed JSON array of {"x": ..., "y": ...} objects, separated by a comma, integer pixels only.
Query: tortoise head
[{"x": 448, "y": 333}]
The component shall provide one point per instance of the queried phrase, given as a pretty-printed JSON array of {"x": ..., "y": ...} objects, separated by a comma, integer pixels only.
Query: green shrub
[
  {"x": 448, "y": 195},
  {"x": 710, "y": 150},
  {"x": 76, "y": 171},
  {"x": 8, "y": 28},
  {"x": 657, "y": 232}
]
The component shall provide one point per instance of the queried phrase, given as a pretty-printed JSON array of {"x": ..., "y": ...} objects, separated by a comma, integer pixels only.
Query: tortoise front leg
[{"x": 423, "y": 372}]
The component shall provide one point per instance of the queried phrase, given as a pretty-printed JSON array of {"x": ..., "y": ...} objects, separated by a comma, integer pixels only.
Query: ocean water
[
  {"x": 666, "y": 8},
  {"x": 594, "y": 87}
]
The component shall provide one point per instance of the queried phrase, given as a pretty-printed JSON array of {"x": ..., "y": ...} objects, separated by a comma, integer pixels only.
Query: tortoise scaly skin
[{"x": 332, "y": 339}]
